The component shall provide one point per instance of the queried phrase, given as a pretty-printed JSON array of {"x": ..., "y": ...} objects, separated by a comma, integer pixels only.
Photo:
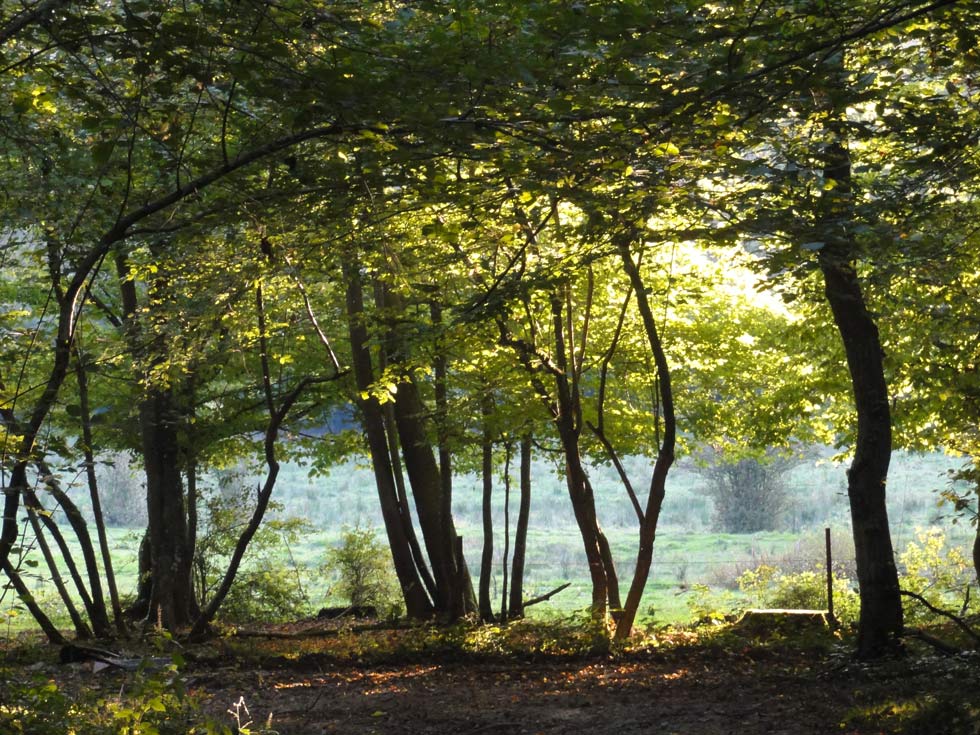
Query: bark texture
[{"x": 880, "y": 623}]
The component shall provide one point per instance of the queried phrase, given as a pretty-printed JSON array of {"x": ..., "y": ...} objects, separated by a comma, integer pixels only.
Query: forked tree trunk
[
  {"x": 426, "y": 479},
  {"x": 172, "y": 603},
  {"x": 583, "y": 507},
  {"x": 665, "y": 452},
  {"x": 417, "y": 602}
]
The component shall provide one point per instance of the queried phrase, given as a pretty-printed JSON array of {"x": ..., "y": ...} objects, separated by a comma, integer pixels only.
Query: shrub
[
  {"x": 151, "y": 702},
  {"x": 269, "y": 585},
  {"x": 363, "y": 566},
  {"x": 768, "y": 586},
  {"x": 935, "y": 570}
]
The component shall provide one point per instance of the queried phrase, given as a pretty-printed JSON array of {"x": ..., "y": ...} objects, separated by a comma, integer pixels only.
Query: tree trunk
[
  {"x": 417, "y": 603},
  {"x": 880, "y": 623},
  {"x": 424, "y": 476},
  {"x": 520, "y": 532},
  {"x": 460, "y": 591},
  {"x": 486, "y": 472},
  {"x": 277, "y": 414},
  {"x": 24, "y": 594},
  {"x": 172, "y": 601},
  {"x": 505, "y": 557},
  {"x": 976, "y": 548},
  {"x": 34, "y": 513},
  {"x": 94, "y": 496},
  {"x": 94, "y": 602},
  {"x": 583, "y": 507},
  {"x": 568, "y": 422},
  {"x": 665, "y": 452}
]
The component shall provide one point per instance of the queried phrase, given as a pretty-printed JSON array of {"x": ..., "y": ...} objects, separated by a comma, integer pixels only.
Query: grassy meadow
[{"x": 689, "y": 553}]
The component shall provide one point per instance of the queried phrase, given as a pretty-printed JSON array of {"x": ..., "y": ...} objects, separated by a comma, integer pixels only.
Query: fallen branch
[
  {"x": 944, "y": 613},
  {"x": 321, "y": 632},
  {"x": 936, "y": 643},
  {"x": 547, "y": 595}
]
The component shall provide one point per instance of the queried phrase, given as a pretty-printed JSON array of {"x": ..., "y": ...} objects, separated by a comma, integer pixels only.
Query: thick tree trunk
[
  {"x": 417, "y": 602},
  {"x": 425, "y": 481},
  {"x": 172, "y": 601},
  {"x": 520, "y": 532},
  {"x": 394, "y": 455},
  {"x": 880, "y": 623}
]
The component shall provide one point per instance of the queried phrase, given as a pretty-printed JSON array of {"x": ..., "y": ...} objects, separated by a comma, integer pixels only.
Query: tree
[{"x": 749, "y": 493}]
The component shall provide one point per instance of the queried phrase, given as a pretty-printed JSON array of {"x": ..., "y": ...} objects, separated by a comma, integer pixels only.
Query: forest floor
[{"x": 299, "y": 680}]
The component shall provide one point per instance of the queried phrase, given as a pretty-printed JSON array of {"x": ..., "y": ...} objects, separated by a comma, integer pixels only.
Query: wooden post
[{"x": 831, "y": 618}]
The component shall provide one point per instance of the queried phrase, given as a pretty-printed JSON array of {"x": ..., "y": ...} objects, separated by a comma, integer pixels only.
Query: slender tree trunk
[
  {"x": 505, "y": 558},
  {"x": 24, "y": 594},
  {"x": 277, "y": 414},
  {"x": 583, "y": 507},
  {"x": 880, "y": 623},
  {"x": 34, "y": 512},
  {"x": 976, "y": 548},
  {"x": 520, "y": 534},
  {"x": 94, "y": 602},
  {"x": 486, "y": 472},
  {"x": 94, "y": 495},
  {"x": 417, "y": 603},
  {"x": 458, "y": 591}
]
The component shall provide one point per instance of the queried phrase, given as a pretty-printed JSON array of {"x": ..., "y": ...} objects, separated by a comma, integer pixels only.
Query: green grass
[{"x": 687, "y": 552}]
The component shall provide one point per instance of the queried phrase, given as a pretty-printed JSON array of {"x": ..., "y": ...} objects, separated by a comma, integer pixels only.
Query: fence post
[{"x": 831, "y": 618}]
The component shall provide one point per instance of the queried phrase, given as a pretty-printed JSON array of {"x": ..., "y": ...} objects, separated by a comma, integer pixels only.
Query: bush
[
  {"x": 933, "y": 569},
  {"x": 363, "y": 567},
  {"x": 767, "y": 586},
  {"x": 154, "y": 702},
  {"x": 269, "y": 585}
]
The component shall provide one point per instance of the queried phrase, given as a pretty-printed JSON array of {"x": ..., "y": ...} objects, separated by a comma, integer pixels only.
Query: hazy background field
[{"x": 689, "y": 551}]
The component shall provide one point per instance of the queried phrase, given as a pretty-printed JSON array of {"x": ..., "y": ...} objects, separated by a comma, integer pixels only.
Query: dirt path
[
  {"x": 726, "y": 695},
  {"x": 359, "y": 685}
]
